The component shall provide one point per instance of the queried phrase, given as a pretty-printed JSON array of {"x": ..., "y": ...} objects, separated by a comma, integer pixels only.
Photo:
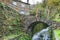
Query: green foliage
[
  {"x": 21, "y": 36},
  {"x": 32, "y": 13},
  {"x": 37, "y": 6},
  {"x": 48, "y": 9},
  {"x": 9, "y": 20},
  {"x": 57, "y": 32},
  {"x": 52, "y": 36},
  {"x": 53, "y": 2},
  {"x": 57, "y": 18},
  {"x": 10, "y": 24},
  {"x": 24, "y": 37},
  {"x": 39, "y": 27},
  {"x": 2, "y": 5}
]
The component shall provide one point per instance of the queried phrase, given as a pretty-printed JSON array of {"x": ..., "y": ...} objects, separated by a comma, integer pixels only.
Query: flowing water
[{"x": 42, "y": 35}]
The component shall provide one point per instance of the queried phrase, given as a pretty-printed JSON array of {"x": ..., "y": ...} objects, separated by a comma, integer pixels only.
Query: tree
[
  {"x": 52, "y": 7},
  {"x": 47, "y": 9}
]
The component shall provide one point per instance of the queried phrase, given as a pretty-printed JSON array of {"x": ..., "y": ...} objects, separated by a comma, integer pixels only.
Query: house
[{"x": 18, "y": 5}]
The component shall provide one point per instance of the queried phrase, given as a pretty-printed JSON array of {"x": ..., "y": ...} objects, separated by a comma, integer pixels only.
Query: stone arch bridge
[{"x": 27, "y": 21}]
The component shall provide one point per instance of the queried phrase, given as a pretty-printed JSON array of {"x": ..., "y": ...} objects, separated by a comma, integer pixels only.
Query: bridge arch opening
[{"x": 36, "y": 27}]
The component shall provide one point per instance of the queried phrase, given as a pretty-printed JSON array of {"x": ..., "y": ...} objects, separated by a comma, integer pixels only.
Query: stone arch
[{"x": 32, "y": 25}]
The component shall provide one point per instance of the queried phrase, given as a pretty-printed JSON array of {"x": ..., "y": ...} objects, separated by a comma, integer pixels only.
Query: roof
[{"x": 24, "y": 2}]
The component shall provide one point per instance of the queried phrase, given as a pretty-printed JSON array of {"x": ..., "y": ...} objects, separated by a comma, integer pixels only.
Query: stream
[{"x": 42, "y": 35}]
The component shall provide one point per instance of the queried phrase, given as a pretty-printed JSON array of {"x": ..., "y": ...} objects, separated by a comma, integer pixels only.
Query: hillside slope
[
  {"x": 9, "y": 20},
  {"x": 10, "y": 24}
]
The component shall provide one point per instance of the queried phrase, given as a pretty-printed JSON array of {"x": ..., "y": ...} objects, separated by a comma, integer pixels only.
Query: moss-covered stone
[{"x": 39, "y": 27}]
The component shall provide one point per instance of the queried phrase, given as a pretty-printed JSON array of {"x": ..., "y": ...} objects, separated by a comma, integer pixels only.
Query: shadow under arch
[{"x": 31, "y": 27}]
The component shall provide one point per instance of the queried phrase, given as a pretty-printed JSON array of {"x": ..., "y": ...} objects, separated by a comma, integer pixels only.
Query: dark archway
[{"x": 32, "y": 26}]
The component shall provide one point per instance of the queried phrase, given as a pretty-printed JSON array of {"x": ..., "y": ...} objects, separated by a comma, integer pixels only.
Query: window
[
  {"x": 14, "y": 3},
  {"x": 22, "y": 12},
  {"x": 22, "y": 5}
]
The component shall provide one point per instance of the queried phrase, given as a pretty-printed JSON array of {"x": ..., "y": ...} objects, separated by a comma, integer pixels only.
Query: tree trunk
[{"x": 37, "y": 14}]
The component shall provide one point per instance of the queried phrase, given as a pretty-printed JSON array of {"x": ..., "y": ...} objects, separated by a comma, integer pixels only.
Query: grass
[
  {"x": 10, "y": 37},
  {"x": 21, "y": 36},
  {"x": 57, "y": 32}
]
